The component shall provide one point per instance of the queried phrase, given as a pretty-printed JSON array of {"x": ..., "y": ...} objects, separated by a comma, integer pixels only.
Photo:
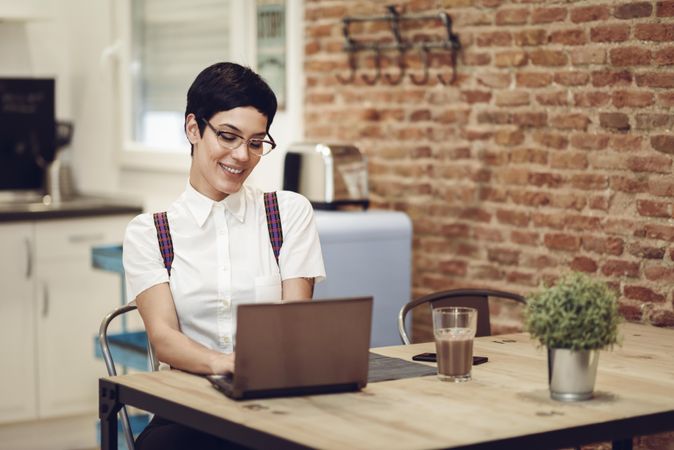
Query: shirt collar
[{"x": 200, "y": 206}]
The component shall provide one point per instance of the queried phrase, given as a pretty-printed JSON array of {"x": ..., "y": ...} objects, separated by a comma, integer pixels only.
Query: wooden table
[{"x": 506, "y": 405}]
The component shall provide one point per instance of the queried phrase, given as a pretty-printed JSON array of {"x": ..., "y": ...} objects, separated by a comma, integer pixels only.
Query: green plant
[{"x": 577, "y": 313}]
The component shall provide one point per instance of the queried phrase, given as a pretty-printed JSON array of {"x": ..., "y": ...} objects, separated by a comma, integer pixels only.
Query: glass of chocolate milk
[{"x": 454, "y": 329}]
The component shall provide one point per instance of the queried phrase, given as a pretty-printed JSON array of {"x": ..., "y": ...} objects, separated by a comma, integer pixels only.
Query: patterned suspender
[
  {"x": 273, "y": 225},
  {"x": 164, "y": 238}
]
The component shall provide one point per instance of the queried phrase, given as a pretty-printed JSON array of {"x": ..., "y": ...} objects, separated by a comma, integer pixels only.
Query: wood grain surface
[{"x": 507, "y": 398}]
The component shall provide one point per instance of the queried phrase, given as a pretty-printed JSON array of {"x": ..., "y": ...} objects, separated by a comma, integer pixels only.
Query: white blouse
[{"x": 222, "y": 258}]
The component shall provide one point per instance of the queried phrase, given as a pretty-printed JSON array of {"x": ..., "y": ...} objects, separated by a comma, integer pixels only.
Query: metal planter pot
[{"x": 572, "y": 373}]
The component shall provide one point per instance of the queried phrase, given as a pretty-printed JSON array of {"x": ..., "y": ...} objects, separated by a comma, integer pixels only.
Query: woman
[{"x": 222, "y": 254}]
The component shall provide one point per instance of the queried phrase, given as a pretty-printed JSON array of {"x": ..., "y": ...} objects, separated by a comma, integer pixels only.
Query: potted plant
[{"x": 574, "y": 319}]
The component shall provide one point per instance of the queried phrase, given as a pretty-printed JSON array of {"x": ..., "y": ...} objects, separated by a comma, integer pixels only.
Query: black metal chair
[
  {"x": 474, "y": 298},
  {"x": 110, "y": 364}
]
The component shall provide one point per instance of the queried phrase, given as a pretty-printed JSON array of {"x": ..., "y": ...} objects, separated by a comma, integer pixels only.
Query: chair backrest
[
  {"x": 474, "y": 298},
  {"x": 110, "y": 364}
]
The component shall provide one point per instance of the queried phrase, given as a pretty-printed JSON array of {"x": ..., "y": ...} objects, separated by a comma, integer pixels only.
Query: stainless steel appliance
[{"x": 331, "y": 176}]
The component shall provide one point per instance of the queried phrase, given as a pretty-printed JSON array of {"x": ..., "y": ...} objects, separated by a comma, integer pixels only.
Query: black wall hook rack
[{"x": 352, "y": 47}]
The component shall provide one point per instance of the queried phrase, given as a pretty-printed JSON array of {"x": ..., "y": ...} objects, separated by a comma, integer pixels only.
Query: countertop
[{"x": 81, "y": 206}]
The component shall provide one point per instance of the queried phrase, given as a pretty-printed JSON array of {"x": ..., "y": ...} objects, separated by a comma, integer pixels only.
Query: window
[{"x": 165, "y": 43}]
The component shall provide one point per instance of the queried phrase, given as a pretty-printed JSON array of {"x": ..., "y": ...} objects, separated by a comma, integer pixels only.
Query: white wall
[{"x": 68, "y": 43}]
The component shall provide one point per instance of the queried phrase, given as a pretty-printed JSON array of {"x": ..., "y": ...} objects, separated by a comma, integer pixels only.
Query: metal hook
[
  {"x": 352, "y": 73},
  {"x": 454, "y": 47},
  {"x": 377, "y": 63},
  {"x": 426, "y": 59},
  {"x": 401, "y": 66}
]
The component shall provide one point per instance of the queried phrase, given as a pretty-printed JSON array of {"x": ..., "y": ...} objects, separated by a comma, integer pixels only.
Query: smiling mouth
[{"x": 230, "y": 169}]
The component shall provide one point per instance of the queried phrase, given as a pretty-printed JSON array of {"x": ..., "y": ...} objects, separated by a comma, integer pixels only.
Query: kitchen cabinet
[
  {"x": 56, "y": 301},
  {"x": 18, "y": 399}
]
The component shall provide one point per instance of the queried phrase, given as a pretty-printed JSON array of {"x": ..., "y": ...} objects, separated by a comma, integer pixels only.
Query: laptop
[{"x": 299, "y": 348}]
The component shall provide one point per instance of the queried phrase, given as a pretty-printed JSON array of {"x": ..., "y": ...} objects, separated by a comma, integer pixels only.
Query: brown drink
[{"x": 454, "y": 355}]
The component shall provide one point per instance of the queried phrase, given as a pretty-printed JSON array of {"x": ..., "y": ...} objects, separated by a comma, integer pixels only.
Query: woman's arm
[
  {"x": 170, "y": 344},
  {"x": 298, "y": 289}
]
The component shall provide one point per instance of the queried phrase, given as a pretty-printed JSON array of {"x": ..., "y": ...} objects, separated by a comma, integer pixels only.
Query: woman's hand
[{"x": 222, "y": 363}]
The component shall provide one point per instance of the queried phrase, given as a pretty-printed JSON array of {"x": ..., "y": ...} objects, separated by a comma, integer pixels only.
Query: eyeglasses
[{"x": 232, "y": 141}]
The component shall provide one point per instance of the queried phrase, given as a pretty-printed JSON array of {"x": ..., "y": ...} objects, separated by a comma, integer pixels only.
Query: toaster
[{"x": 331, "y": 176}]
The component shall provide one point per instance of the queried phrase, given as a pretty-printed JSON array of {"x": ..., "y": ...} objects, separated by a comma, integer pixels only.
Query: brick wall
[{"x": 552, "y": 151}]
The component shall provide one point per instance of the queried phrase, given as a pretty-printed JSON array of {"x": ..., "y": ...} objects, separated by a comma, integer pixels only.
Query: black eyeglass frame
[{"x": 219, "y": 133}]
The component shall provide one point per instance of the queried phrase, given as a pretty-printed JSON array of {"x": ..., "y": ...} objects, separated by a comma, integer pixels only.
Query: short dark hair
[{"x": 224, "y": 86}]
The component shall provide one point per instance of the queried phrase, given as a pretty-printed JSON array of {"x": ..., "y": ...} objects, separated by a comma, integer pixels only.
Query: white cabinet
[
  {"x": 18, "y": 399},
  {"x": 62, "y": 304}
]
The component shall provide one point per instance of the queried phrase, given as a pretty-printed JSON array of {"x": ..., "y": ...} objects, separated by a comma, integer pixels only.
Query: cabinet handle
[
  {"x": 79, "y": 238},
  {"x": 29, "y": 258},
  {"x": 45, "y": 300}
]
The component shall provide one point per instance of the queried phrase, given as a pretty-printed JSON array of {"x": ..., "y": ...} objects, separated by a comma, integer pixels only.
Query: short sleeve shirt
[{"x": 222, "y": 258}]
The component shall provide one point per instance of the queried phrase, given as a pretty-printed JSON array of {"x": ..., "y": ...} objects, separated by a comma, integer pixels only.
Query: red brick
[
  {"x": 529, "y": 198},
  {"x": 631, "y": 185},
  {"x": 659, "y": 32},
  {"x": 630, "y": 311},
  {"x": 583, "y": 223},
  {"x": 591, "y": 99},
  {"x": 572, "y": 78},
  {"x": 661, "y": 318},
  {"x": 665, "y": 9},
  {"x": 614, "y": 121},
  {"x": 548, "y": 58},
  {"x": 588, "y": 55},
  {"x": 494, "y": 79},
  {"x": 666, "y": 99},
  {"x": 552, "y": 140},
  {"x": 610, "y": 33},
  {"x": 662, "y": 232},
  {"x": 530, "y": 119},
  {"x": 655, "y": 163},
  {"x": 552, "y": 180},
  {"x": 512, "y": 16},
  {"x": 471, "y": 58},
  {"x": 661, "y": 187},
  {"x": 565, "y": 160},
  {"x": 608, "y": 161},
  {"x": 563, "y": 242},
  {"x": 633, "y": 10},
  {"x": 634, "y": 99},
  {"x": 530, "y": 37},
  {"x": 587, "y": 141},
  {"x": 494, "y": 39},
  {"x": 503, "y": 256},
  {"x": 652, "y": 208},
  {"x": 609, "y": 245},
  {"x": 610, "y": 78},
  {"x": 620, "y": 268},
  {"x": 455, "y": 230},
  {"x": 509, "y": 137},
  {"x": 510, "y": 58},
  {"x": 475, "y": 215},
  {"x": 487, "y": 234},
  {"x": 476, "y": 134},
  {"x": 567, "y": 201},
  {"x": 508, "y": 216},
  {"x": 642, "y": 251},
  {"x": 493, "y": 194},
  {"x": 600, "y": 202},
  {"x": 583, "y": 264},
  {"x": 524, "y": 237},
  {"x": 475, "y": 96},
  {"x": 517, "y": 277},
  {"x": 459, "y": 268},
  {"x": 574, "y": 121},
  {"x": 495, "y": 117},
  {"x": 589, "y": 13},
  {"x": 628, "y": 143},
  {"x": 533, "y": 79},
  {"x": 548, "y": 15},
  {"x": 664, "y": 56},
  {"x": 663, "y": 143},
  {"x": 528, "y": 155},
  {"x": 643, "y": 293},
  {"x": 542, "y": 220},
  {"x": 484, "y": 272},
  {"x": 557, "y": 98},
  {"x": 654, "y": 121},
  {"x": 659, "y": 273},
  {"x": 568, "y": 37},
  {"x": 630, "y": 56},
  {"x": 589, "y": 181},
  {"x": 512, "y": 98}
]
